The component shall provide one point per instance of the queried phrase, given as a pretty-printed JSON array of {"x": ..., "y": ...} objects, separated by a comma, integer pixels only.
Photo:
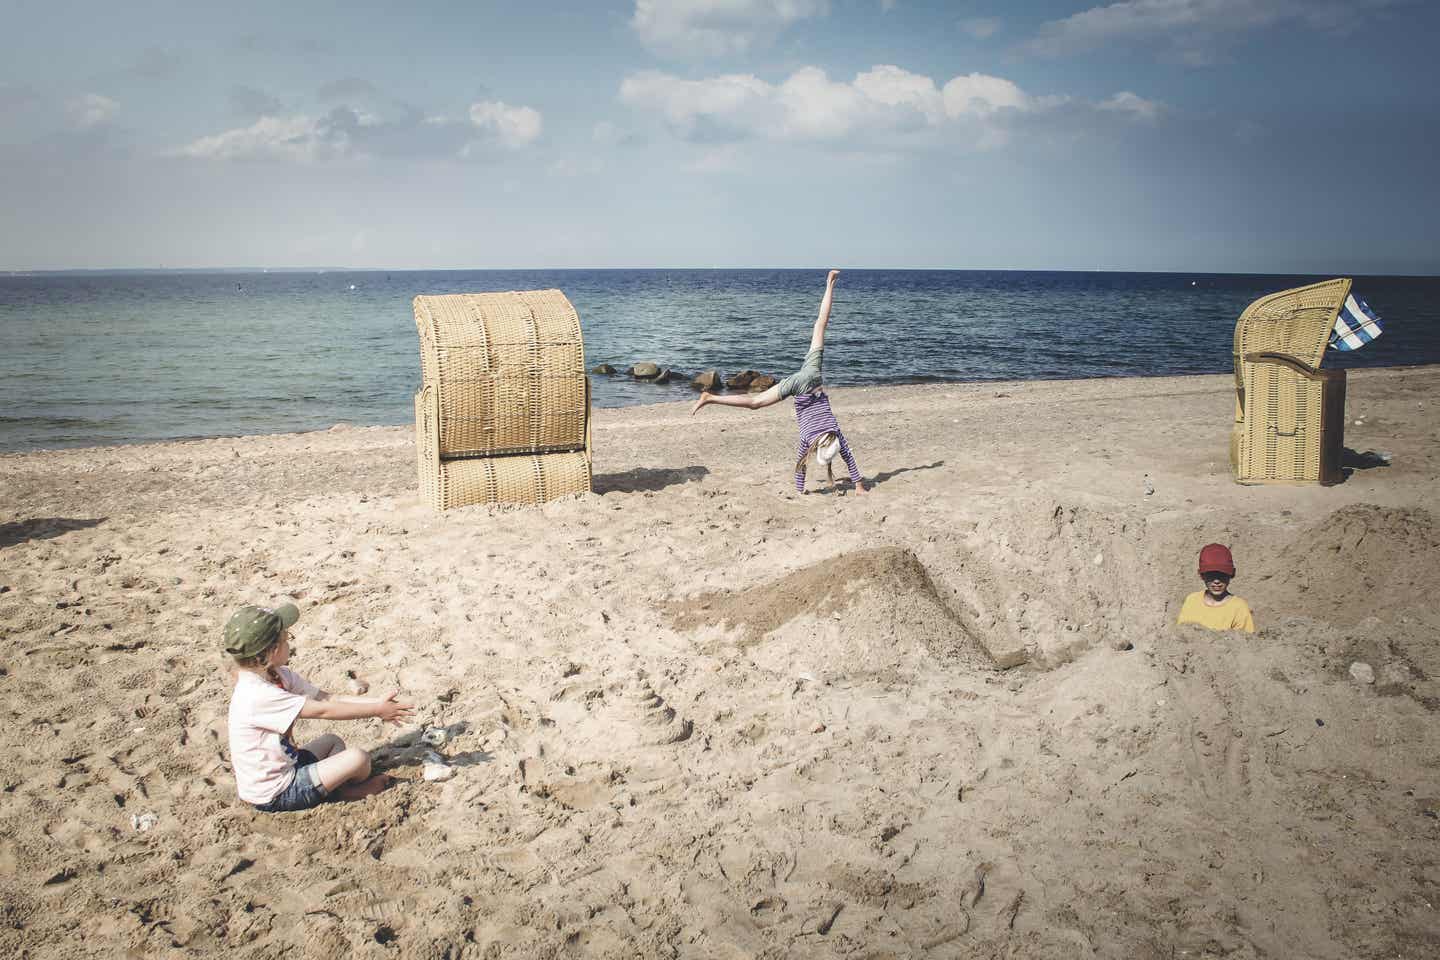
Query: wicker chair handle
[{"x": 1285, "y": 360}]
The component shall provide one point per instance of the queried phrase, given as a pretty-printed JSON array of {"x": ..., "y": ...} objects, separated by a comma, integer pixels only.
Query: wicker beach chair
[
  {"x": 503, "y": 414},
  {"x": 1289, "y": 413}
]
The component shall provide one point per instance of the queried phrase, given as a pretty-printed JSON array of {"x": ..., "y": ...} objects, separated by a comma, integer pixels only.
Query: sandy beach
[{"x": 694, "y": 714}]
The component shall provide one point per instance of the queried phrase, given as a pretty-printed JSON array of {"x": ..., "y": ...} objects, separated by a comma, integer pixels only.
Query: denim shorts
[{"x": 305, "y": 789}]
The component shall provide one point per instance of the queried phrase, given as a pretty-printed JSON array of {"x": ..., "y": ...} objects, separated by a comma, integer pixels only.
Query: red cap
[{"x": 1215, "y": 558}]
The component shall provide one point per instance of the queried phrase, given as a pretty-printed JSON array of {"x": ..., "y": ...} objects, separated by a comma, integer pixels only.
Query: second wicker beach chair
[{"x": 1289, "y": 413}]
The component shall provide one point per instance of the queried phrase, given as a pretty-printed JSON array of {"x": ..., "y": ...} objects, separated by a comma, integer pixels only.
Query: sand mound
[
  {"x": 1360, "y": 561},
  {"x": 853, "y": 607}
]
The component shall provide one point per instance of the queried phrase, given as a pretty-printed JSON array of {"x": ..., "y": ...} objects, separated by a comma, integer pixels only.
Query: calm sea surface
[{"x": 113, "y": 358}]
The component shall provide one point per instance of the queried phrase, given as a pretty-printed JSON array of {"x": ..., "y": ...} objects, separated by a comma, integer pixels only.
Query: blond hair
[{"x": 813, "y": 449}]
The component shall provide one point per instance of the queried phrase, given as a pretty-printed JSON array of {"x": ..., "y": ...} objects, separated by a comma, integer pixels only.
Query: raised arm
[{"x": 817, "y": 338}]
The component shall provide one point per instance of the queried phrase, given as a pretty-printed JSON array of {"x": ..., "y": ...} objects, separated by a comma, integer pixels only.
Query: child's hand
[{"x": 393, "y": 711}]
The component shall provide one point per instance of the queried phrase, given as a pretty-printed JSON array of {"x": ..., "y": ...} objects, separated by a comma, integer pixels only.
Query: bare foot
[
  {"x": 700, "y": 401},
  {"x": 832, "y": 276},
  {"x": 860, "y": 487},
  {"x": 365, "y": 788}
]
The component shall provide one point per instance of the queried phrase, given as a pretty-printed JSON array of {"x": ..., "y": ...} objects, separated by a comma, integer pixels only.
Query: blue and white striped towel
[{"x": 1356, "y": 325}]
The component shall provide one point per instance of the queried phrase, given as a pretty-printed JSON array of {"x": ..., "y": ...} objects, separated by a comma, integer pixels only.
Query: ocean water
[{"x": 131, "y": 357}]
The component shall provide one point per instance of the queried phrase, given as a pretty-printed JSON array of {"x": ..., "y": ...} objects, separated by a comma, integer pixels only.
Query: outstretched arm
[{"x": 817, "y": 337}]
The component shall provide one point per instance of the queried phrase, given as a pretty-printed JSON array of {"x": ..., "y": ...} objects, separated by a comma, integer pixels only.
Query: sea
[{"x": 132, "y": 357}]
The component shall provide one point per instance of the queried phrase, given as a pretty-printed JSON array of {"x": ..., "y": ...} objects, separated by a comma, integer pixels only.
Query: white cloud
[
  {"x": 981, "y": 28},
  {"x": 296, "y": 138},
  {"x": 981, "y": 95},
  {"x": 345, "y": 132},
  {"x": 91, "y": 110},
  {"x": 884, "y": 100},
  {"x": 735, "y": 101},
  {"x": 894, "y": 87},
  {"x": 1191, "y": 23},
  {"x": 1127, "y": 102},
  {"x": 713, "y": 28},
  {"x": 511, "y": 127}
]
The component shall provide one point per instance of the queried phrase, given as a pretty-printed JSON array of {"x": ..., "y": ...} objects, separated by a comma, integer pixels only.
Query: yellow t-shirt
[{"x": 1233, "y": 614}]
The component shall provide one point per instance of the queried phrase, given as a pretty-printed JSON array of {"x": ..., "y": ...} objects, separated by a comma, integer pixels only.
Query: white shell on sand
[
  {"x": 144, "y": 821},
  {"x": 1362, "y": 672},
  {"x": 437, "y": 772}
]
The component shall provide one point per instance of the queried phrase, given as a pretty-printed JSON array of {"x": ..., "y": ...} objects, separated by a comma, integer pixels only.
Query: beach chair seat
[
  {"x": 1289, "y": 413},
  {"x": 447, "y": 482},
  {"x": 503, "y": 414}
]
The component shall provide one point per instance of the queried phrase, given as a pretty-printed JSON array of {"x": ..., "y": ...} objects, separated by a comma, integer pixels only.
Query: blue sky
[{"x": 1192, "y": 135}]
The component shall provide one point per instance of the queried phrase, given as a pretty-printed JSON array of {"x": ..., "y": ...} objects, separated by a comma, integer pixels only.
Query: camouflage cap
[{"x": 252, "y": 630}]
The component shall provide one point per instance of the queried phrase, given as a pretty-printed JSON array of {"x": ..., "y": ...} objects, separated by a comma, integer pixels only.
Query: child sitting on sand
[
  {"x": 270, "y": 772},
  {"x": 1215, "y": 607},
  {"x": 812, "y": 406}
]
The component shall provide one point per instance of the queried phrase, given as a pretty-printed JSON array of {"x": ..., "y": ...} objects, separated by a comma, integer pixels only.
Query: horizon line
[{"x": 71, "y": 271}]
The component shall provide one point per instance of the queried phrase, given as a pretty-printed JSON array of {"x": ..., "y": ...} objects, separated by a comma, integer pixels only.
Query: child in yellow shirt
[{"x": 1215, "y": 607}]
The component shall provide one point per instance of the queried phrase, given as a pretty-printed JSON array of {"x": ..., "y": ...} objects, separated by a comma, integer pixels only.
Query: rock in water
[
  {"x": 604, "y": 368},
  {"x": 709, "y": 380},
  {"x": 761, "y": 383},
  {"x": 1362, "y": 672},
  {"x": 664, "y": 376},
  {"x": 644, "y": 371},
  {"x": 741, "y": 380}
]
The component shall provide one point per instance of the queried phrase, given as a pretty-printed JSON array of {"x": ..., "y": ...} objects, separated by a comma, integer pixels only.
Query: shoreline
[
  {"x": 695, "y": 713},
  {"x": 839, "y": 391}
]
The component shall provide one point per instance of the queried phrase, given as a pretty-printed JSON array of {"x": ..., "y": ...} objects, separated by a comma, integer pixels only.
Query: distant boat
[{"x": 352, "y": 286}]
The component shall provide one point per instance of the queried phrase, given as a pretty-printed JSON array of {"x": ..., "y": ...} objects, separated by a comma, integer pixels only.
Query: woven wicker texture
[
  {"x": 1289, "y": 414},
  {"x": 524, "y": 479},
  {"x": 508, "y": 370}
]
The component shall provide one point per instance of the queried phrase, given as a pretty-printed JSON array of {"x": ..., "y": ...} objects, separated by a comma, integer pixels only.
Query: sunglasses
[{"x": 1207, "y": 577}]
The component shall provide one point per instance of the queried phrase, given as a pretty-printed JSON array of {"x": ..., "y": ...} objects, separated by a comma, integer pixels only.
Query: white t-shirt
[{"x": 261, "y": 715}]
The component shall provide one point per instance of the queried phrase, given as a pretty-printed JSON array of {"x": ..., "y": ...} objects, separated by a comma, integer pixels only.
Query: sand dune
[{"x": 697, "y": 715}]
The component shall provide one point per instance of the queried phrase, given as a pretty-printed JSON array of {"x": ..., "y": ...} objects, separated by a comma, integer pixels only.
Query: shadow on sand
[
  {"x": 42, "y": 528},
  {"x": 1368, "y": 460},
  {"x": 888, "y": 474},
  {"x": 644, "y": 479}
]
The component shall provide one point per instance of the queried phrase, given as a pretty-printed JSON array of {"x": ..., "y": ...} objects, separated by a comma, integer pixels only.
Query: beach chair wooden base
[{"x": 523, "y": 479}]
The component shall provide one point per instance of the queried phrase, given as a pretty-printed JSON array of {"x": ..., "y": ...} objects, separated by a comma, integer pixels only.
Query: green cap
[{"x": 252, "y": 630}]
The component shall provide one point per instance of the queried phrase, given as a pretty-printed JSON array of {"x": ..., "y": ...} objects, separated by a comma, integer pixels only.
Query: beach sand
[{"x": 698, "y": 715}]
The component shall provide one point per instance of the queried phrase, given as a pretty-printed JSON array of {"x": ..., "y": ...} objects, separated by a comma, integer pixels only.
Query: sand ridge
[{"x": 696, "y": 714}]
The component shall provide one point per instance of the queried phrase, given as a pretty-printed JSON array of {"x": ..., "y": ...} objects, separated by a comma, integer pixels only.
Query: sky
[{"x": 1247, "y": 136}]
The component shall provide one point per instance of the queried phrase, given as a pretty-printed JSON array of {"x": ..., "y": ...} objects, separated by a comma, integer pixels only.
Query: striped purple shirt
[{"x": 812, "y": 411}]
